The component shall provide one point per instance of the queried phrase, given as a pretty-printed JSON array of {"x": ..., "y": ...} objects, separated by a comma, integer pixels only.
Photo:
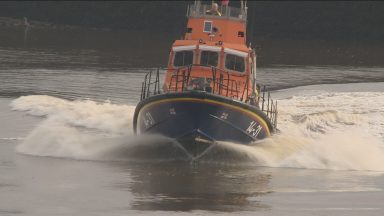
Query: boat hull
[{"x": 196, "y": 120}]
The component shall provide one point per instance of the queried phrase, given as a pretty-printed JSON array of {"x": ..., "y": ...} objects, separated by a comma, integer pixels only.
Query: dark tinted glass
[
  {"x": 183, "y": 58},
  {"x": 207, "y": 26},
  {"x": 209, "y": 58},
  {"x": 233, "y": 62}
]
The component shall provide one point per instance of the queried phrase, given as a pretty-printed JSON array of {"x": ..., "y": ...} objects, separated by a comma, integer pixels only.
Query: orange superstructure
[
  {"x": 213, "y": 56},
  {"x": 209, "y": 92}
]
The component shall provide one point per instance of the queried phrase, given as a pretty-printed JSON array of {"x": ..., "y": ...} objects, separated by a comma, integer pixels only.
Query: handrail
[
  {"x": 219, "y": 84},
  {"x": 226, "y": 12},
  {"x": 146, "y": 85}
]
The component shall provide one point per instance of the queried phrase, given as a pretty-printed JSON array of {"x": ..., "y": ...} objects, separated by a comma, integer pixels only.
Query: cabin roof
[{"x": 239, "y": 47}]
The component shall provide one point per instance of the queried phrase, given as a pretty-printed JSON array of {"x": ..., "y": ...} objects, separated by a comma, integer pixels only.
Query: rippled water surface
[{"x": 67, "y": 148}]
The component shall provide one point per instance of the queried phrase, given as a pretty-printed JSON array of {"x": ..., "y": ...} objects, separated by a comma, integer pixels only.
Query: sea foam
[{"x": 339, "y": 131}]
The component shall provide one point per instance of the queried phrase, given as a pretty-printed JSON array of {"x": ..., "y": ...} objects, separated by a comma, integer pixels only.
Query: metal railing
[
  {"x": 267, "y": 105},
  {"x": 146, "y": 90},
  {"x": 198, "y": 10},
  {"x": 220, "y": 83}
]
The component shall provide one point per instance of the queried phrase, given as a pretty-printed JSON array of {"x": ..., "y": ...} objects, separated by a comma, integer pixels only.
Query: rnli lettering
[
  {"x": 252, "y": 130},
  {"x": 148, "y": 120}
]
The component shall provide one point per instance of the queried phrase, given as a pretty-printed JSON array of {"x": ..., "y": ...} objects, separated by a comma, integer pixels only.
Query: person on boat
[{"x": 214, "y": 10}]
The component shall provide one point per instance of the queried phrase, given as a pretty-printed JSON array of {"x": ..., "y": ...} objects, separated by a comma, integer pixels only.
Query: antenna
[
  {"x": 26, "y": 30},
  {"x": 251, "y": 23}
]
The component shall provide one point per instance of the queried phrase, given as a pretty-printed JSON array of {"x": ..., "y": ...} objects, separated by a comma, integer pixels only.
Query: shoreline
[{"x": 140, "y": 45}]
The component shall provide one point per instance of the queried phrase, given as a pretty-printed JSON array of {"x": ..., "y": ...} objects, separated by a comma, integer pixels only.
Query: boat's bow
[
  {"x": 196, "y": 120},
  {"x": 209, "y": 92}
]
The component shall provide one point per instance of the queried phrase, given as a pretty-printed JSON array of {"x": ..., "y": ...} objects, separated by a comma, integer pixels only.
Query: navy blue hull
[{"x": 197, "y": 120}]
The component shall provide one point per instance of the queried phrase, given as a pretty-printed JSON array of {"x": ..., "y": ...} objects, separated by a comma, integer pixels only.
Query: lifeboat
[{"x": 209, "y": 92}]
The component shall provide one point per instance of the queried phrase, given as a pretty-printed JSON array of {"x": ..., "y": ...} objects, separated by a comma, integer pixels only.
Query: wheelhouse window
[
  {"x": 234, "y": 62},
  {"x": 183, "y": 58},
  {"x": 207, "y": 26},
  {"x": 209, "y": 58}
]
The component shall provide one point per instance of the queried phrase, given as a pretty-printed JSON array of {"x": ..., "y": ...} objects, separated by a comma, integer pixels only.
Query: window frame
[
  {"x": 218, "y": 58},
  {"x": 235, "y": 71},
  {"x": 174, "y": 55},
  {"x": 207, "y": 21}
]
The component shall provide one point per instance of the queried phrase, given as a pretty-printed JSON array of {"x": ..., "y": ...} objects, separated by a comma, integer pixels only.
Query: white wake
[
  {"x": 339, "y": 130},
  {"x": 88, "y": 130}
]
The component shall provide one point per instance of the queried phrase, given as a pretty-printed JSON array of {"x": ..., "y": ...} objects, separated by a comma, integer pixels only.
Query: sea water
[{"x": 67, "y": 146}]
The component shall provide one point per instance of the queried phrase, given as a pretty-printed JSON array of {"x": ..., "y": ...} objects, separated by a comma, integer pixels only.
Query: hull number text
[{"x": 254, "y": 129}]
